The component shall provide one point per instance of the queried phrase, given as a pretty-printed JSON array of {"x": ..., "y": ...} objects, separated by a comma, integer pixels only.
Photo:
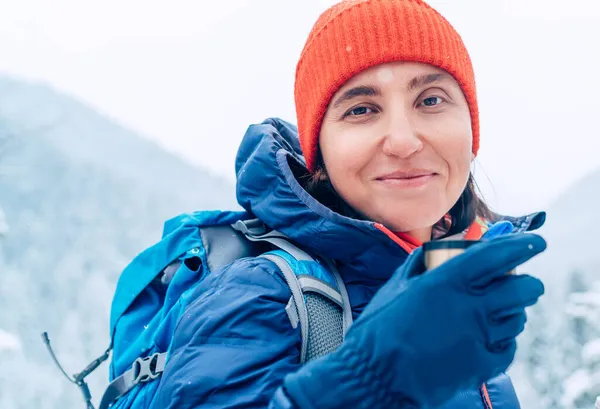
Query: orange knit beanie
[{"x": 354, "y": 35}]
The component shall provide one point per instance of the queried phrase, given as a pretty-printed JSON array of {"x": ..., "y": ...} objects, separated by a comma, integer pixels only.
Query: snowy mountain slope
[
  {"x": 570, "y": 230},
  {"x": 551, "y": 356},
  {"x": 80, "y": 196}
]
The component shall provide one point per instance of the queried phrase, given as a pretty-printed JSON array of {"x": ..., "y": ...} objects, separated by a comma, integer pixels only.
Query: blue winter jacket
[{"x": 235, "y": 344}]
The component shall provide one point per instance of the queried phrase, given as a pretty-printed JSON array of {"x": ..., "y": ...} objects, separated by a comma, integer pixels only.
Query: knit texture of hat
[{"x": 354, "y": 35}]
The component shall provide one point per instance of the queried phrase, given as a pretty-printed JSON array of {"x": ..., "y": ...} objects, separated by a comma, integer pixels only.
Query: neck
[
  {"x": 423, "y": 235},
  {"x": 416, "y": 237}
]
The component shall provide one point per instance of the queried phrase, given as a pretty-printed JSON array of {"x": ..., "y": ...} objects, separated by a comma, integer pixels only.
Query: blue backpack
[{"x": 154, "y": 289}]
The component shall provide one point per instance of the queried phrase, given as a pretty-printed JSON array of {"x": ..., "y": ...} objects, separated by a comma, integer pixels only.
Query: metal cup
[{"x": 438, "y": 252}]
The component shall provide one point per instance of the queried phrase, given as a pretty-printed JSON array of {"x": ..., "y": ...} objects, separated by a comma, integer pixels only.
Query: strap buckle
[
  {"x": 144, "y": 369},
  {"x": 252, "y": 227}
]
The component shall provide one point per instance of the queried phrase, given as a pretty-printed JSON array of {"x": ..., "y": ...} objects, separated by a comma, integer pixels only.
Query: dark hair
[{"x": 462, "y": 214}]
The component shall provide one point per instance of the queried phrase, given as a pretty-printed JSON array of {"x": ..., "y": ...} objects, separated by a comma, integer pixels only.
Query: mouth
[{"x": 411, "y": 178}]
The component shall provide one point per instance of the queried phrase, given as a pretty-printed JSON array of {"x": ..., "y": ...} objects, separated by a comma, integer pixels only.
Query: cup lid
[{"x": 448, "y": 244}]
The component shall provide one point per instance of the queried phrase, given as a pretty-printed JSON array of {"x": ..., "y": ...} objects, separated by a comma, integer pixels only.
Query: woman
[{"x": 388, "y": 128}]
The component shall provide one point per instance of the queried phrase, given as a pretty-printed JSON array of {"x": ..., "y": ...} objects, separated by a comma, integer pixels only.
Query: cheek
[
  {"x": 457, "y": 152},
  {"x": 452, "y": 139},
  {"x": 345, "y": 153},
  {"x": 459, "y": 176}
]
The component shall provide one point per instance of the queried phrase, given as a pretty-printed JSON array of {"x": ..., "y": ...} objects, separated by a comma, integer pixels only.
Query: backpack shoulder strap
[
  {"x": 323, "y": 312},
  {"x": 319, "y": 301}
]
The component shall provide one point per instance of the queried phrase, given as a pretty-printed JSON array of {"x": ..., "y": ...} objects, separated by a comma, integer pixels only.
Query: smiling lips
[{"x": 407, "y": 179}]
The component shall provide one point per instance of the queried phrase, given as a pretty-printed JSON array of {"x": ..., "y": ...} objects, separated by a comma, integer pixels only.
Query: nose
[{"x": 402, "y": 139}]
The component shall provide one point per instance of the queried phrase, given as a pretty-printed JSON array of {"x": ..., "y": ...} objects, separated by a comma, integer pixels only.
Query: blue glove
[
  {"x": 422, "y": 340},
  {"x": 498, "y": 229}
]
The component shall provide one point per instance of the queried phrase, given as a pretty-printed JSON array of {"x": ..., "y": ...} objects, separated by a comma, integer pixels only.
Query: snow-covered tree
[
  {"x": 582, "y": 386},
  {"x": 543, "y": 358},
  {"x": 579, "y": 327}
]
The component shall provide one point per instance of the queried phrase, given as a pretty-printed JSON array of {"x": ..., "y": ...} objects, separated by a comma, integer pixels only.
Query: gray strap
[
  {"x": 223, "y": 245},
  {"x": 292, "y": 313},
  {"x": 169, "y": 272},
  {"x": 346, "y": 306},
  {"x": 142, "y": 370},
  {"x": 296, "y": 290},
  {"x": 254, "y": 232},
  {"x": 309, "y": 283}
]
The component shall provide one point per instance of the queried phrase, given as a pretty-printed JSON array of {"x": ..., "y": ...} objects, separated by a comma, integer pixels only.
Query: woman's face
[{"x": 396, "y": 140}]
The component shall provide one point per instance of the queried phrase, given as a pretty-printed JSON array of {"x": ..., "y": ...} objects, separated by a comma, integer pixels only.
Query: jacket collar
[{"x": 268, "y": 162}]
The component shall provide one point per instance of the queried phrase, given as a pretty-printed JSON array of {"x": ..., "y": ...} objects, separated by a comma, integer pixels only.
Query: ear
[{"x": 472, "y": 164}]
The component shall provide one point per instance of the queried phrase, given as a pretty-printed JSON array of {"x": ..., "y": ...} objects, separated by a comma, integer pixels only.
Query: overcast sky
[{"x": 193, "y": 75}]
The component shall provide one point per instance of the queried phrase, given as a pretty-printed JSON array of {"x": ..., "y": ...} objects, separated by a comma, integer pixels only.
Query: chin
[{"x": 409, "y": 219}]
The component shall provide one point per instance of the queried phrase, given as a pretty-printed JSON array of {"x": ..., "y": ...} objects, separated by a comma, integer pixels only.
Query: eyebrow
[
  {"x": 373, "y": 91},
  {"x": 360, "y": 91},
  {"x": 426, "y": 79}
]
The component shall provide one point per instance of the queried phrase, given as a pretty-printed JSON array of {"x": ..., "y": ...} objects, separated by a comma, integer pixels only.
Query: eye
[
  {"x": 360, "y": 111},
  {"x": 432, "y": 101}
]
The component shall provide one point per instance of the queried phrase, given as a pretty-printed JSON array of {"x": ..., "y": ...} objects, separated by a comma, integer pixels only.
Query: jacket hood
[{"x": 268, "y": 164}]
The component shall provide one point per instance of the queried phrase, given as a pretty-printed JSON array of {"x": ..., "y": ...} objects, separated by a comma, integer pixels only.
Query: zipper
[{"x": 485, "y": 397}]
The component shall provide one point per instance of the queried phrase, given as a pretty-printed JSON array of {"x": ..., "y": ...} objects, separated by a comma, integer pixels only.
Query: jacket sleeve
[{"x": 234, "y": 343}]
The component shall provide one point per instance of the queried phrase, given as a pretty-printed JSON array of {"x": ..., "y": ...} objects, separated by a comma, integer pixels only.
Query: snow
[
  {"x": 574, "y": 386},
  {"x": 9, "y": 342},
  {"x": 3, "y": 223},
  {"x": 591, "y": 351}
]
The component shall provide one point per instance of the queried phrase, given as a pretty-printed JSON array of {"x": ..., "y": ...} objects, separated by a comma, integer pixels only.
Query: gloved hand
[{"x": 421, "y": 340}]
